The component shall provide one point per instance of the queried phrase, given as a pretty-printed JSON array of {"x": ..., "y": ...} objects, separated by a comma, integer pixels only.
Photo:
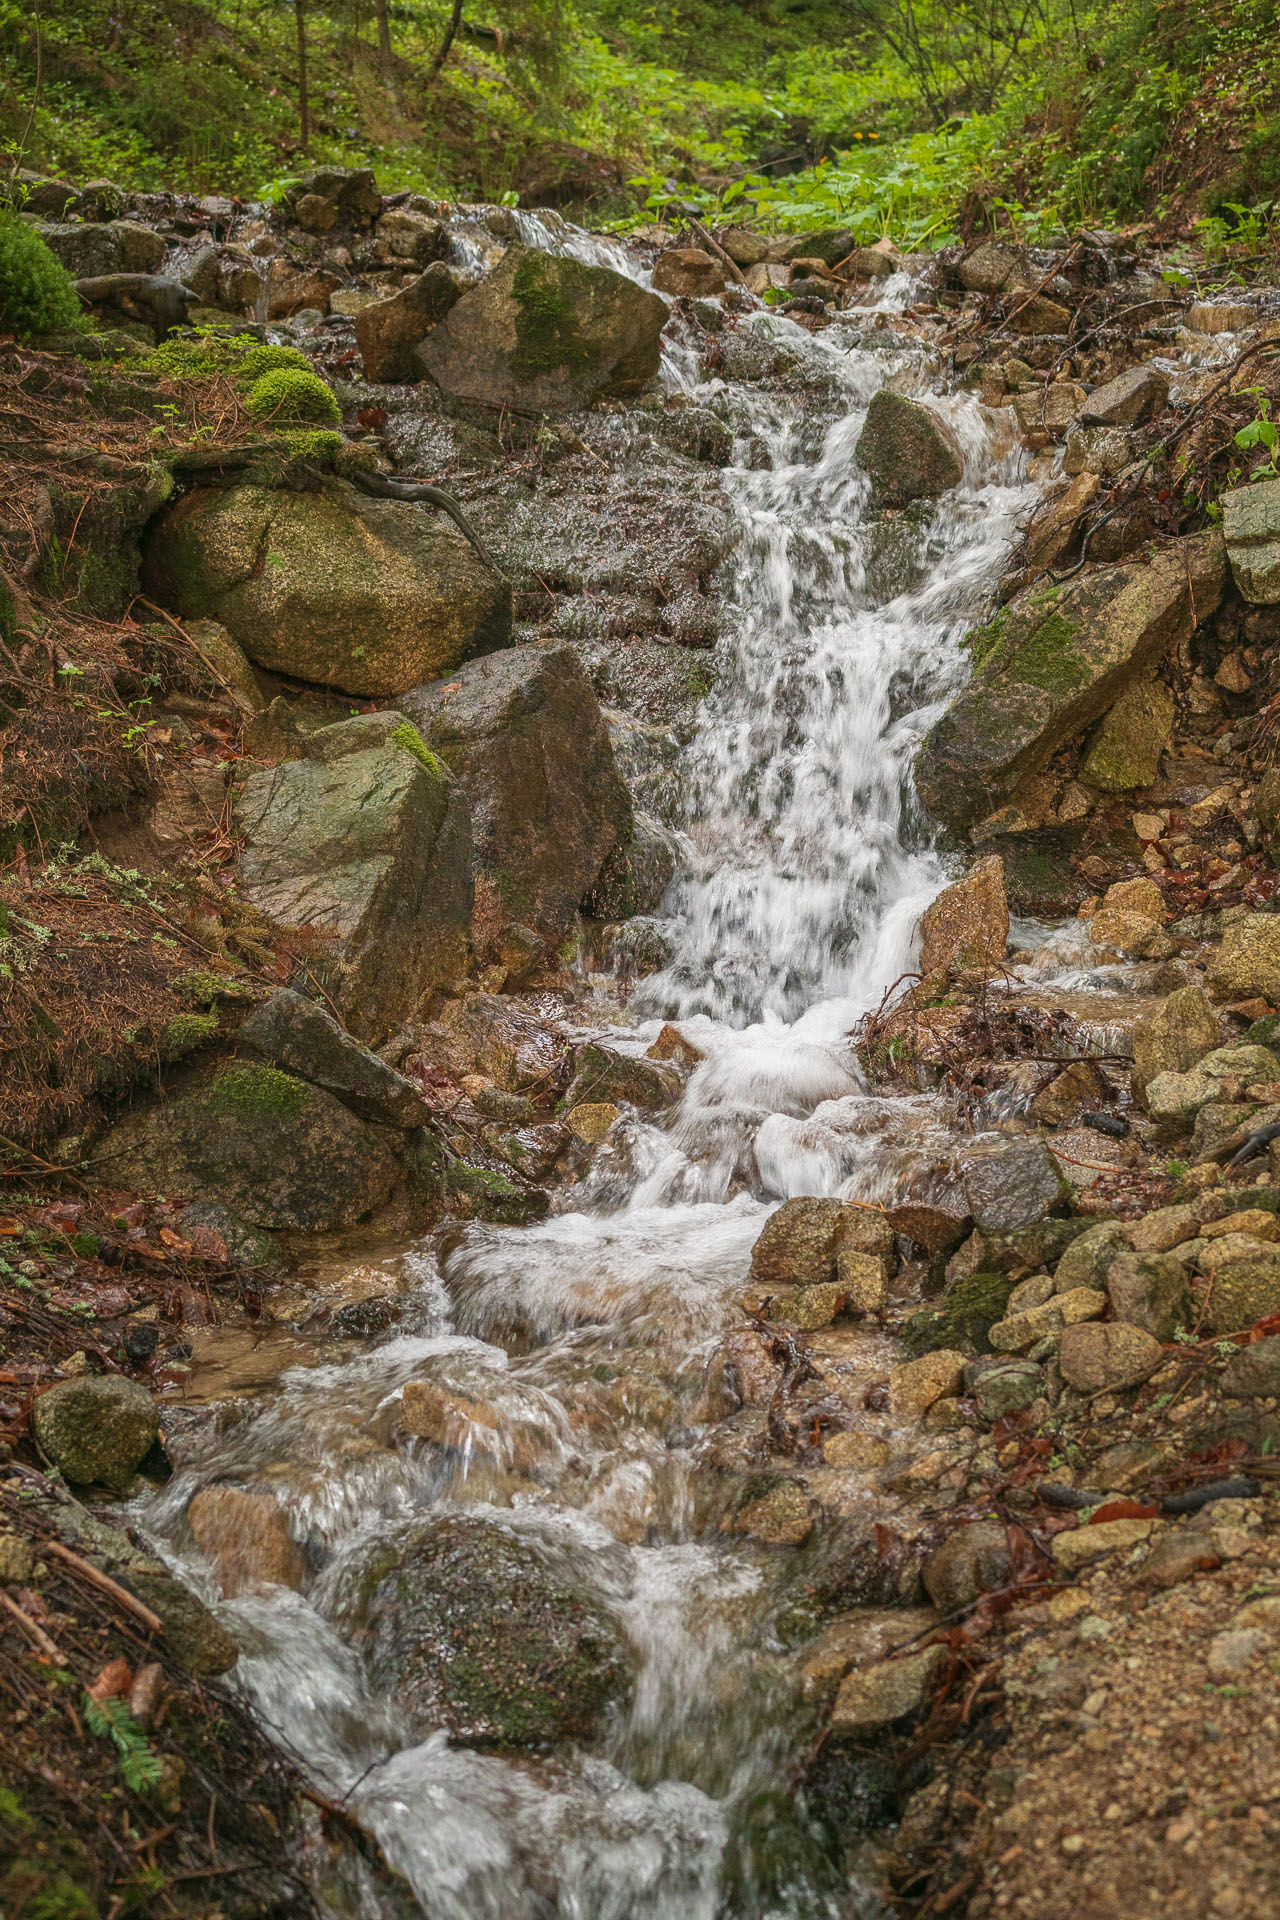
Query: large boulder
[
  {"x": 1053, "y": 662},
  {"x": 1251, "y": 523},
  {"x": 523, "y": 732},
  {"x": 373, "y": 596},
  {"x": 1173, "y": 1038},
  {"x": 366, "y": 843},
  {"x": 1248, "y": 961},
  {"x": 547, "y": 334},
  {"x": 96, "y": 1430},
  {"x": 492, "y": 1633},
  {"x": 283, "y": 1153},
  {"x": 908, "y": 449},
  {"x": 389, "y": 331},
  {"x": 1014, "y": 1186},
  {"x": 968, "y": 924}
]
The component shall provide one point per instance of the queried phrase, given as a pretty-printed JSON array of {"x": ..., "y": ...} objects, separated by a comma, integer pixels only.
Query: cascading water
[{"x": 593, "y": 1336}]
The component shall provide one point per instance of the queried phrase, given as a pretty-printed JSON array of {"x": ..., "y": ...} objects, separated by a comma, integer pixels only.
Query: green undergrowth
[{"x": 919, "y": 119}]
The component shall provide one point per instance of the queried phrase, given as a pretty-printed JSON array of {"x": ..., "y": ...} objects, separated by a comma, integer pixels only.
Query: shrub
[
  {"x": 289, "y": 395},
  {"x": 36, "y": 294}
]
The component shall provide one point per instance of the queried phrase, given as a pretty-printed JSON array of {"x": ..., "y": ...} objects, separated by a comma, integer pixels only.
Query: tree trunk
[
  {"x": 304, "y": 115},
  {"x": 386, "y": 58},
  {"x": 454, "y": 20}
]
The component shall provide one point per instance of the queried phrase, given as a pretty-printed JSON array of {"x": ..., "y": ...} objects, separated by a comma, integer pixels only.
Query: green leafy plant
[
  {"x": 36, "y": 294},
  {"x": 1260, "y": 432},
  {"x": 111, "y": 1720}
]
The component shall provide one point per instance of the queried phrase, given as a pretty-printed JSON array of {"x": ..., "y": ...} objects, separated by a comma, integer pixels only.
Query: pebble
[{"x": 1231, "y": 1652}]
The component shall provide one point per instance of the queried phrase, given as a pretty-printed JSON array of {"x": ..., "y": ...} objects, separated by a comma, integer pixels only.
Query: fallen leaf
[
  {"x": 1123, "y": 1510},
  {"x": 174, "y": 1240},
  {"x": 113, "y": 1683}
]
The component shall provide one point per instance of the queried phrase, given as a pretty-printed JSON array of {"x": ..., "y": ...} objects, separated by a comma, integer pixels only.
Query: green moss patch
[
  {"x": 962, "y": 1318},
  {"x": 407, "y": 736},
  {"x": 548, "y": 333},
  {"x": 288, "y": 394},
  {"x": 256, "y": 1090}
]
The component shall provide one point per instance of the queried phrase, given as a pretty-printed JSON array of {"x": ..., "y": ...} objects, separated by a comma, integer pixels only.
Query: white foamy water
[{"x": 585, "y": 1348}]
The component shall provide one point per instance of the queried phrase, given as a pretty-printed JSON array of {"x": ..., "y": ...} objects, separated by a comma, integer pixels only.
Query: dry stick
[
  {"x": 121, "y": 1595},
  {"x": 718, "y": 250},
  {"x": 46, "y": 1646}
]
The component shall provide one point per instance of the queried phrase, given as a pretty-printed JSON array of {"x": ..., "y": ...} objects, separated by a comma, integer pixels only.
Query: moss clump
[
  {"x": 406, "y": 735},
  {"x": 254, "y": 1090},
  {"x": 548, "y": 334},
  {"x": 36, "y": 294},
  {"x": 186, "y": 1032},
  {"x": 201, "y": 989},
  {"x": 981, "y": 642},
  {"x": 321, "y": 445},
  {"x": 963, "y": 1318},
  {"x": 289, "y": 395},
  {"x": 263, "y": 360},
  {"x": 1049, "y": 659},
  {"x": 198, "y": 356}
]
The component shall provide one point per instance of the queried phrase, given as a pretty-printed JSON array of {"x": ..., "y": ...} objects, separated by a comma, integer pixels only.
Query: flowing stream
[{"x": 593, "y": 1338}]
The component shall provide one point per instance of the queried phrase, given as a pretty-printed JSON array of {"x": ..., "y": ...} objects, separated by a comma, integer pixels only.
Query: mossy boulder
[
  {"x": 1125, "y": 750},
  {"x": 373, "y": 596},
  {"x": 908, "y": 449},
  {"x": 523, "y": 732},
  {"x": 302, "y": 1037},
  {"x": 367, "y": 844},
  {"x": 547, "y": 334},
  {"x": 1176, "y": 1036},
  {"x": 1052, "y": 663},
  {"x": 492, "y": 1633},
  {"x": 96, "y": 1430},
  {"x": 282, "y": 1153},
  {"x": 962, "y": 1319}
]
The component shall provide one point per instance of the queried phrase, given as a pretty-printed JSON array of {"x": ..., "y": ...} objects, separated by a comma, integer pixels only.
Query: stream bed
[{"x": 590, "y": 1348}]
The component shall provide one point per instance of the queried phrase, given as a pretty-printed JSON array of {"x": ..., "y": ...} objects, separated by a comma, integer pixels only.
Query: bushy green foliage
[
  {"x": 289, "y": 395},
  {"x": 36, "y": 294}
]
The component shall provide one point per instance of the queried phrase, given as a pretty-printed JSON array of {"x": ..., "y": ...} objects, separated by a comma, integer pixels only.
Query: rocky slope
[{"x": 327, "y": 799}]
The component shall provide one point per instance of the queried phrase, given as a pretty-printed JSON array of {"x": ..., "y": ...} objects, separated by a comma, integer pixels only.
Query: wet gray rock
[
  {"x": 1130, "y": 400},
  {"x": 603, "y": 1074},
  {"x": 367, "y": 841},
  {"x": 246, "y": 1246},
  {"x": 492, "y": 1633},
  {"x": 1251, "y": 523},
  {"x": 523, "y": 732},
  {"x": 547, "y": 334},
  {"x": 908, "y": 449},
  {"x": 798, "y": 1245},
  {"x": 295, "y": 1033},
  {"x": 1015, "y": 1186},
  {"x": 1253, "y": 1372},
  {"x": 1100, "y": 1354},
  {"x": 96, "y": 1430},
  {"x": 970, "y": 1561},
  {"x": 1149, "y": 1290},
  {"x": 389, "y": 332},
  {"x": 1000, "y": 1386}
]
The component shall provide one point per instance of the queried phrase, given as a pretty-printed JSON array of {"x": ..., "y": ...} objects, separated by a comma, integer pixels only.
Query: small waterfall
[{"x": 598, "y": 1329}]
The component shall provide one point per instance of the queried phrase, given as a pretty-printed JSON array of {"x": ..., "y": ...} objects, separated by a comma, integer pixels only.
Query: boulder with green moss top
[
  {"x": 523, "y": 731},
  {"x": 281, "y": 1152},
  {"x": 490, "y": 1630},
  {"x": 1052, "y": 663},
  {"x": 366, "y": 843},
  {"x": 302, "y": 1037},
  {"x": 547, "y": 334},
  {"x": 373, "y": 596},
  {"x": 908, "y": 449}
]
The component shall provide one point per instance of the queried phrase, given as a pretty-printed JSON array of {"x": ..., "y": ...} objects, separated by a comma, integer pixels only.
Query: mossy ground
[{"x": 962, "y": 1318}]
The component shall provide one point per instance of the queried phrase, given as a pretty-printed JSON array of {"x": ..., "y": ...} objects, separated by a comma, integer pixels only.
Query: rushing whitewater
[{"x": 596, "y": 1331}]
